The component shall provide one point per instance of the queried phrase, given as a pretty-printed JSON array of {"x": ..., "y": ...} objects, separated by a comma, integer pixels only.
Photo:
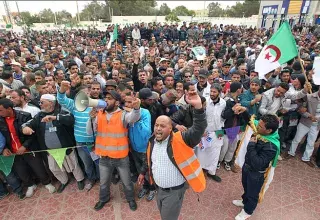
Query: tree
[
  {"x": 183, "y": 11},
  {"x": 93, "y": 12},
  {"x": 63, "y": 17},
  {"x": 28, "y": 19},
  {"x": 245, "y": 9},
  {"x": 215, "y": 10},
  {"x": 251, "y": 7},
  {"x": 164, "y": 10},
  {"x": 46, "y": 16},
  {"x": 172, "y": 17},
  {"x": 132, "y": 8}
]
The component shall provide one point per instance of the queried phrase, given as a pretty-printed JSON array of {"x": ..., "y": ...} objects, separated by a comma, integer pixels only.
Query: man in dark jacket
[
  {"x": 149, "y": 100},
  {"x": 235, "y": 116},
  {"x": 54, "y": 129},
  {"x": 260, "y": 152},
  {"x": 16, "y": 143},
  {"x": 183, "y": 118},
  {"x": 140, "y": 78}
]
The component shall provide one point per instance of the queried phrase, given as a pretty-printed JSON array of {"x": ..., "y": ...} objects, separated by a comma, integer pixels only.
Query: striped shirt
[
  {"x": 165, "y": 173},
  {"x": 81, "y": 118}
]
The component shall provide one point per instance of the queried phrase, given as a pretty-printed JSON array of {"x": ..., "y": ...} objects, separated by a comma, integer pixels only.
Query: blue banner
[{"x": 270, "y": 10}]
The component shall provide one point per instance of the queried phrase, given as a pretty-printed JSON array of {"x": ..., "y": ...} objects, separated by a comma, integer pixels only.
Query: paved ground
[{"x": 294, "y": 195}]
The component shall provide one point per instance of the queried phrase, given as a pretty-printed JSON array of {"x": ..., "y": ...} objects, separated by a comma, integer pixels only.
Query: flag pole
[
  {"x": 303, "y": 70},
  {"x": 117, "y": 47}
]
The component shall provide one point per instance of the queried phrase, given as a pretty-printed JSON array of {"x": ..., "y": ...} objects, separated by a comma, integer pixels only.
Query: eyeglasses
[{"x": 187, "y": 76}]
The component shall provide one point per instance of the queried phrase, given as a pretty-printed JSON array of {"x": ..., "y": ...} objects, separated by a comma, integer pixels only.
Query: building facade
[{"x": 273, "y": 13}]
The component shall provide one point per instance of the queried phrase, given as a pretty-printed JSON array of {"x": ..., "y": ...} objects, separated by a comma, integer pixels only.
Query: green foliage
[
  {"x": 215, "y": 10},
  {"x": 246, "y": 9},
  {"x": 183, "y": 11},
  {"x": 93, "y": 12},
  {"x": 63, "y": 17},
  {"x": 132, "y": 7},
  {"x": 46, "y": 16},
  {"x": 164, "y": 10},
  {"x": 172, "y": 17},
  {"x": 27, "y": 19}
]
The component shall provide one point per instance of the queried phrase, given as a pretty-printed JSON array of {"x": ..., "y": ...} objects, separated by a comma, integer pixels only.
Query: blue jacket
[
  {"x": 81, "y": 118},
  {"x": 140, "y": 132},
  {"x": 2, "y": 142},
  {"x": 245, "y": 99}
]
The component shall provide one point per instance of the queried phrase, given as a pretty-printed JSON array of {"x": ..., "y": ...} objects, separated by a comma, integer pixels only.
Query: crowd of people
[{"x": 160, "y": 101}]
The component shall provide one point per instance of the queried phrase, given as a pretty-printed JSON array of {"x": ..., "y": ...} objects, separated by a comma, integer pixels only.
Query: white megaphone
[{"x": 82, "y": 102}]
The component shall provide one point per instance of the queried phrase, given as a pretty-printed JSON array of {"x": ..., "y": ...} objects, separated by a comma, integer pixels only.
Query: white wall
[
  {"x": 123, "y": 20},
  {"x": 214, "y": 20}
]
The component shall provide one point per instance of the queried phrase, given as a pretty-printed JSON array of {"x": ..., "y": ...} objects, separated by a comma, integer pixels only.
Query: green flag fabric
[
  {"x": 115, "y": 32},
  {"x": 6, "y": 164},
  {"x": 104, "y": 40},
  {"x": 58, "y": 155},
  {"x": 279, "y": 49},
  {"x": 273, "y": 138}
]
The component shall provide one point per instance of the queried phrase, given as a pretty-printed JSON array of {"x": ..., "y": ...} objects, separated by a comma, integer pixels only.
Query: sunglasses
[{"x": 187, "y": 76}]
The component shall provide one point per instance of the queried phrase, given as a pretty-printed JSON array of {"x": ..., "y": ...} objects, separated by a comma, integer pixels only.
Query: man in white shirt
[
  {"x": 208, "y": 150},
  {"x": 19, "y": 101},
  {"x": 136, "y": 34}
]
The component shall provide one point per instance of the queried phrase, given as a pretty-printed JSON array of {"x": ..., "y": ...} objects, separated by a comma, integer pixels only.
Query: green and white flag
[
  {"x": 279, "y": 49},
  {"x": 6, "y": 163},
  {"x": 113, "y": 36},
  {"x": 115, "y": 32}
]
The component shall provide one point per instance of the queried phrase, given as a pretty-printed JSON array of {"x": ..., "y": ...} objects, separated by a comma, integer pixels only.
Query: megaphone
[{"x": 82, "y": 102}]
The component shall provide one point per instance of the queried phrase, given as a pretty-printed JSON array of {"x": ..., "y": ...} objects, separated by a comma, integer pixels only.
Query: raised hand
[
  {"x": 194, "y": 100},
  {"x": 65, "y": 86}
]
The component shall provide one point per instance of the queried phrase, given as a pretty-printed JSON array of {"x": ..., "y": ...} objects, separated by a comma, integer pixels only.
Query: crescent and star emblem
[{"x": 276, "y": 49}]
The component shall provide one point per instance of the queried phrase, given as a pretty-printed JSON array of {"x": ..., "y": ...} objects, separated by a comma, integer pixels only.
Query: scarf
[{"x": 273, "y": 138}]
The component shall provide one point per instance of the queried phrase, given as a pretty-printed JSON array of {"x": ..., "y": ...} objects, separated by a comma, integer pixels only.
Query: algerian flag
[
  {"x": 113, "y": 36},
  {"x": 115, "y": 32},
  {"x": 242, "y": 149},
  {"x": 6, "y": 163},
  {"x": 58, "y": 155},
  {"x": 316, "y": 70},
  {"x": 104, "y": 40},
  {"x": 110, "y": 41},
  {"x": 280, "y": 49}
]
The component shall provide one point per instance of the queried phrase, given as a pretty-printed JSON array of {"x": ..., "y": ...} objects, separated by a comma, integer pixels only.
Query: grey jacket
[
  {"x": 268, "y": 100},
  {"x": 313, "y": 101}
]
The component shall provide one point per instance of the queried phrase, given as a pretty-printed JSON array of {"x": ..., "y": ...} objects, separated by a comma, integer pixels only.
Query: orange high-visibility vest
[
  {"x": 186, "y": 161},
  {"x": 112, "y": 136}
]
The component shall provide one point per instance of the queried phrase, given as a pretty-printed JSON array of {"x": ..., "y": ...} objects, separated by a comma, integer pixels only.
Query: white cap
[
  {"x": 48, "y": 97},
  {"x": 164, "y": 59},
  {"x": 14, "y": 63}
]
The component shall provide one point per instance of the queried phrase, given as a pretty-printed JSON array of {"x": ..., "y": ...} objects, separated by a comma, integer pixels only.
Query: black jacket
[
  {"x": 183, "y": 117},
  {"x": 260, "y": 154},
  {"x": 64, "y": 125},
  {"x": 232, "y": 119},
  {"x": 135, "y": 78},
  {"x": 155, "y": 110},
  {"x": 21, "y": 117},
  {"x": 191, "y": 137}
]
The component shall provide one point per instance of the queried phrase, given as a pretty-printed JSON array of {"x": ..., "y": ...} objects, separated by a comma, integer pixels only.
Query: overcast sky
[{"x": 70, "y": 6}]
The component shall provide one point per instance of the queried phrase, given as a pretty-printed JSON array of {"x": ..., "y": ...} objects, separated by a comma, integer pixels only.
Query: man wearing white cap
[
  {"x": 53, "y": 128},
  {"x": 18, "y": 74}
]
